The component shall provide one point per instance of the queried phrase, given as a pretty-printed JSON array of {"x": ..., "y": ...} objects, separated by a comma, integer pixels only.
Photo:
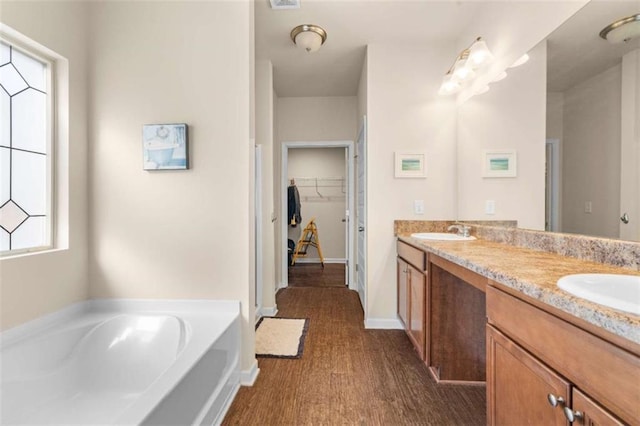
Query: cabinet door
[
  {"x": 591, "y": 413},
  {"x": 417, "y": 306},
  {"x": 403, "y": 293},
  {"x": 518, "y": 386}
]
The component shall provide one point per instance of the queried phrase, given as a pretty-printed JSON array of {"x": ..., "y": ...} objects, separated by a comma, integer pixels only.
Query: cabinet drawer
[
  {"x": 414, "y": 256},
  {"x": 604, "y": 371}
]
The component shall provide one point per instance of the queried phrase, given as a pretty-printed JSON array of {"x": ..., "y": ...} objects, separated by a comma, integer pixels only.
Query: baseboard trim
[
  {"x": 383, "y": 324},
  {"x": 248, "y": 377},
  {"x": 267, "y": 312}
]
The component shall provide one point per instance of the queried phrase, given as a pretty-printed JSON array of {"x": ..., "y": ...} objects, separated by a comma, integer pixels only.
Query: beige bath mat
[{"x": 280, "y": 337}]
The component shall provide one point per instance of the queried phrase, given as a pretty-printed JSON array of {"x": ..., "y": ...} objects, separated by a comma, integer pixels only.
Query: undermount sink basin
[
  {"x": 616, "y": 291},
  {"x": 441, "y": 236}
]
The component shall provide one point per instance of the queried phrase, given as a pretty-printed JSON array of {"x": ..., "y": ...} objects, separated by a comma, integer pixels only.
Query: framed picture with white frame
[
  {"x": 499, "y": 163},
  {"x": 410, "y": 165}
]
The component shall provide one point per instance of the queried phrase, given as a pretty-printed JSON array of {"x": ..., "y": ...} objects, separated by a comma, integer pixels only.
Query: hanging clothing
[{"x": 293, "y": 200}]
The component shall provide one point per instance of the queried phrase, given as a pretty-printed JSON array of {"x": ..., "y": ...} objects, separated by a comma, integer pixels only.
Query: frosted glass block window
[{"x": 25, "y": 151}]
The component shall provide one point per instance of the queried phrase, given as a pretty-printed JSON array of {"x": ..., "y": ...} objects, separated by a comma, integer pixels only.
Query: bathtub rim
[{"x": 40, "y": 324}]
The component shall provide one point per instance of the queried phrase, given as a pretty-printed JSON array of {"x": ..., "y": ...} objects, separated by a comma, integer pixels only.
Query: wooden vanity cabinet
[
  {"x": 412, "y": 294},
  {"x": 534, "y": 357}
]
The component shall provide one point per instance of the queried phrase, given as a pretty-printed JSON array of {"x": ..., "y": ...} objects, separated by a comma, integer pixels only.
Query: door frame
[
  {"x": 361, "y": 158},
  {"x": 349, "y": 146},
  {"x": 553, "y": 209}
]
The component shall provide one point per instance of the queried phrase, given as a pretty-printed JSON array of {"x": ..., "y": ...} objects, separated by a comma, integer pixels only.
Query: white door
[
  {"x": 361, "y": 218},
  {"x": 258, "y": 227}
]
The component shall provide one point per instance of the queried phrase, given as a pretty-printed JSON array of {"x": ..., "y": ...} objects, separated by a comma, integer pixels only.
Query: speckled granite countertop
[{"x": 535, "y": 273}]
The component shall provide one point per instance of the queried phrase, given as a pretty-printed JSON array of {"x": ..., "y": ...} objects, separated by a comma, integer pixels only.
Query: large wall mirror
[{"x": 593, "y": 126}]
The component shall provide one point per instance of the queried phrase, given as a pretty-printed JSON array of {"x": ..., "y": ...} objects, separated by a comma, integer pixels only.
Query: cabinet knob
[
  {"x": 571, "y": 415},
  {"x": 554, "y": 401}
]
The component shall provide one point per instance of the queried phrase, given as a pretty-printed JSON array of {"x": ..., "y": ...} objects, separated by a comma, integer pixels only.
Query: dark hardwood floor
[
  {"x": 314, "y": 275},
  {"x": 348, "y": 375}
]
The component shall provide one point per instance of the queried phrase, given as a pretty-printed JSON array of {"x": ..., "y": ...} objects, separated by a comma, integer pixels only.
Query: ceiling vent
[{"x": 285, "y": 4}]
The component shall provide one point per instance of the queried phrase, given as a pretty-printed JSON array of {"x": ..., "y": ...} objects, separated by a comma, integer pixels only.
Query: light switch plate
[
  {"x": 490, "y": 207},
  {"x": 418, "y": 206},
  {"x": 588, "y": 207}
]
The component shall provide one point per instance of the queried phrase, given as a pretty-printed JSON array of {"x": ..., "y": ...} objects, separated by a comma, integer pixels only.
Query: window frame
[{"x": 32, "y": 49}]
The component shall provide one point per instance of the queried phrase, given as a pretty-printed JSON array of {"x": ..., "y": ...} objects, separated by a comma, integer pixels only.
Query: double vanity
[{"x": 480, "y": 311}]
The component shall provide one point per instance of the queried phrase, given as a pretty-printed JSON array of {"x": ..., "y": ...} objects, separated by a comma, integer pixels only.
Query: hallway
[{"x": 349, "y": 375}]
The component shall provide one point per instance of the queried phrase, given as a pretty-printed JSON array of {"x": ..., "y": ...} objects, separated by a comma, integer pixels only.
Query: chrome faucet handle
[
  {"x": 463, "y": 230},
  {"x": 456, "y": 227}
]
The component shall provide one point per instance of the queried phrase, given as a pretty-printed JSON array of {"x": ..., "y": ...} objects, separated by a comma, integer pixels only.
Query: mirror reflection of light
[{"x": 145, "y": 328}]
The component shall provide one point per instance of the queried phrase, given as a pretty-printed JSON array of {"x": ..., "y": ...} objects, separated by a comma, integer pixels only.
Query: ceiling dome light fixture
[
  {"x": 622, "y": 30},
  {"x": 308, "y": 36}
]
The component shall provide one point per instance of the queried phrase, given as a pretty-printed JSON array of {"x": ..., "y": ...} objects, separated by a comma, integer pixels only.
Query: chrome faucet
[{"x": 463, "y": 230}]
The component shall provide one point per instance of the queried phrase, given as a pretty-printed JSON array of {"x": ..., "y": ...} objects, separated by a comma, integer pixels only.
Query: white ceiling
[
  {"x": 575, "y": 50},
  {"x": 335, "y": 69}
]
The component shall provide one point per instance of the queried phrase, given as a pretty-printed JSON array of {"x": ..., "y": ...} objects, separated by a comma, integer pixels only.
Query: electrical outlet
[
  {"x": 418, "y": 206},
  {"x": 588, "y": 207},
  {"x": 490, "y": 207}
]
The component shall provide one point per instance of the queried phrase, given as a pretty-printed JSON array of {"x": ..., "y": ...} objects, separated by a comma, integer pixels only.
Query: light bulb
[
  {"x": 479, "y": 55},
  {"x": 449, "y": 86},
  {"x": 462, "y": 72}
]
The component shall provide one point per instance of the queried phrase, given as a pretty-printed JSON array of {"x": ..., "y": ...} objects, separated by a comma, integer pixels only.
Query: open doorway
[{"x": 322, "y": 173}]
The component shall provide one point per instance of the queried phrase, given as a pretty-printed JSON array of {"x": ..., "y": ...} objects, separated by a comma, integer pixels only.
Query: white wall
[
  {"x": 510, "y": 116},
  {"x": 33, "y": 285},
  {"x": 173, "y": 234},
  {"x": 591, "y": 155},
  {"x": 555, "y": 107},
  {"x": 264, "y": 136},
  {"x": 328, "y": 209},
  {"x": 405, "y": 113},
  {"x": 330, "y": 118},
  {"x": 311, "y": 119}
]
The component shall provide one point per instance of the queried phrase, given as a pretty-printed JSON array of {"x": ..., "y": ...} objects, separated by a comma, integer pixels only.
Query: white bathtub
[{"x": 122, "y": 362}]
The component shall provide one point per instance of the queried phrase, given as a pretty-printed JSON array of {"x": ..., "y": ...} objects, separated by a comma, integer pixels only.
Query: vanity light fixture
[
  {"x": 622, "y": 30},
  {"x": 520, "y": 61},
  {"x": 483, "y": 89},
  {"x": 500, "y": 77},
  {"x": 449, "y": 85},
  {"x": 464, "y": 68},
  {"x": 308, "y": 36}
]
